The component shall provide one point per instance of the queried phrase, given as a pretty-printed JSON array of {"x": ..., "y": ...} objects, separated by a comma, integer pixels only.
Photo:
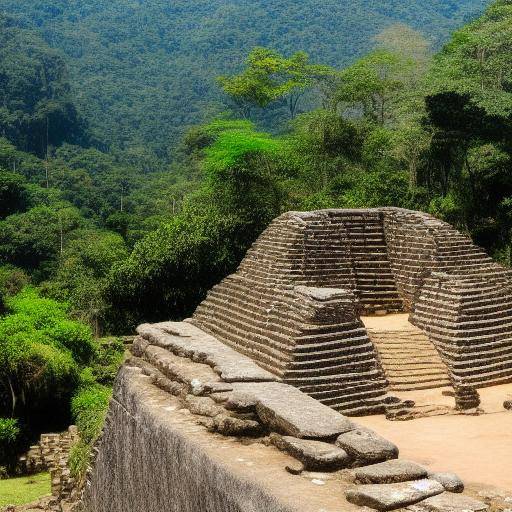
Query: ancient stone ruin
[
  {"x": 239, "y": 409},
  {"x": 296, "y": 301}
]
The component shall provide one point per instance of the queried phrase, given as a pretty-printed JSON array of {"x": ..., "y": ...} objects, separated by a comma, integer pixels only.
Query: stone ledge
[{"x": 184, "y": 339}]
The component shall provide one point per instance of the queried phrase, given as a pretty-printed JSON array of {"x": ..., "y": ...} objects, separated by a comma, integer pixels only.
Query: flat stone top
[
  {"x": 289, "y": 411},
  {"x": 385, "y": 497},
  {"x": 187, "y": 339},
  {"x": 449, "y": 502},
  {"x": 325, "y": 294},
  {"x": 391, "y": 471}
]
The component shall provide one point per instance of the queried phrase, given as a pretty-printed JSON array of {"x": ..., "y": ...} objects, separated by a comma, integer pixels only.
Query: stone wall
[
  {"x": 380, "y": 260},
  {"x": 51, "y": 454},
  {"x": 419, "y": 244},
  {"x": 470, "y": 322}
]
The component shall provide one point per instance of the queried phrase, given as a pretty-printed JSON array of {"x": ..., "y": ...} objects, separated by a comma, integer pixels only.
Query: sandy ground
[
  {"x": 393, "y": 322},
  {"x": 478, "y": 448}
]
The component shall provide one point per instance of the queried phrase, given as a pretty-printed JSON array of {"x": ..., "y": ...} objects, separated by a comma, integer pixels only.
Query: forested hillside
[
  {"x": 98, "y": 234},
  {"x": 141, "y": 71}
]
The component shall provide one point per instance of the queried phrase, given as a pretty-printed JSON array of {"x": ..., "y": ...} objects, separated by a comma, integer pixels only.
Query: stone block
[
  {"x": 449, "y": 502},
  {"x": 391, "y": 471},
  {"x": 286, "y": 410},
  {"x": 450, "y": 481},
  {"x": 366, "y": 447},
  {"x": 241, "y": 402},
  {"x": 229, "y": 426},
  {"x": 385, "y": 497},
  {"x": 202, "y": 406},
  {"x": 314, "y": 455}
]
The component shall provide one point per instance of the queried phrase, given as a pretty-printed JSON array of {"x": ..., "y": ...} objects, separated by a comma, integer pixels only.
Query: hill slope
[{"x": 143, "y": 70}]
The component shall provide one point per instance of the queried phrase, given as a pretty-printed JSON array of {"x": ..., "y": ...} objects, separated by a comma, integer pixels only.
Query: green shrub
[
  {"x": 74, "y": 336},
  {"x": 108, "y": 359},
  {"x": 89, "y": 407},
  {"x": 79, "y": 458},
  {"x": 42, "y": 312},
  {"x": 9, "y": 435}
]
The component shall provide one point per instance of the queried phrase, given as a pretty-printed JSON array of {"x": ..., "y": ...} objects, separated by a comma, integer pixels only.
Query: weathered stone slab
[
  {"x": 450, "y": 481},
  {"x": 392, "y": 496},
  {"x": 314, "y": 455},
  {"x": 287, "y": 410},
  {"x": 449, "y": 502},
  {"x": 184, "y": 339},
  {"x": 203, "y": 406},
  {"x": 228, "y": 426},
  {"x": 391, "y": 471},
  {"x": 241, "y": 402},
  {"x": 366, "y": 447}
]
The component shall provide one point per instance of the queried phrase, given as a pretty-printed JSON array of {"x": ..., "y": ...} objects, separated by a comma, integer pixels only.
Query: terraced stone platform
[
  {"x": 195, "y": 426},
  {"x": 295, "y": 304}
]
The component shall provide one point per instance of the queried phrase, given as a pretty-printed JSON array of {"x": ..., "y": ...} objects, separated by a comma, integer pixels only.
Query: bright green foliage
[
  {"x": 41, "y": 350},
  {"x": 89, "y": 407},
  {"x": 9, "y": 439},
  {"x": 270, "y": 77},
  {"x": 12, "y": 281},
  {"x": 478, "y": 61}
]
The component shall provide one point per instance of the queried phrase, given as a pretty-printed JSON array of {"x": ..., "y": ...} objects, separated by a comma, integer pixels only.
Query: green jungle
[{"x": 143, "y": 149}]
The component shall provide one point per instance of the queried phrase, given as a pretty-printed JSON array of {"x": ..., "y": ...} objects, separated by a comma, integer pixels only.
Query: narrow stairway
[{"x": 409, "y": 359}]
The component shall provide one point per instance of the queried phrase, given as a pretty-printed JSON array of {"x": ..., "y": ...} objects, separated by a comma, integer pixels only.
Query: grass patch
[{"x": 18, "y": 491}]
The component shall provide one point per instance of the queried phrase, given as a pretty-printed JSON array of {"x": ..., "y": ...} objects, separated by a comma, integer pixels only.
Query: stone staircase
[
  {"x": 375, "y": 283},
  {"x": 409, "y": 359}
]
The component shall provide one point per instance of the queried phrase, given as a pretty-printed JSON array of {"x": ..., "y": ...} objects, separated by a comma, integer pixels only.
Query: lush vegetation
[
  {"x": 47, "y": 360},
  {"x": 99, "y": 233},
  {"x": 143, "y": 71}
]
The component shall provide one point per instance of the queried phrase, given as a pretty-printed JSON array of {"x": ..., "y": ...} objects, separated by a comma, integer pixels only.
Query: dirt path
[{"x": 478, "y": 448}]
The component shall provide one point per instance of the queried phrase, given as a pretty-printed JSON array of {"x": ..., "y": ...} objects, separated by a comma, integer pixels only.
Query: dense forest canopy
[{"x": 143, "y": 71}]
